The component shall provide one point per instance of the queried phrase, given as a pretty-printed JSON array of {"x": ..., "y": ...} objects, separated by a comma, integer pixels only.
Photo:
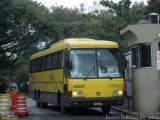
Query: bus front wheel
[{"x": 106, "y": 109}]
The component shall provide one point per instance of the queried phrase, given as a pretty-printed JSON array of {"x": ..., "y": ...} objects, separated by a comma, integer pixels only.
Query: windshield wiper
[
  {"x": 109, "y": 76},
  {"x": 89, "y": 73}
]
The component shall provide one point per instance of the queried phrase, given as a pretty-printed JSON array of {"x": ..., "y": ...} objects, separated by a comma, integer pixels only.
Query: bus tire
[
  {"x": 41, "y": 103},
  {"x": 37, "y": 101},
  {"x": 106, "y": 109}
]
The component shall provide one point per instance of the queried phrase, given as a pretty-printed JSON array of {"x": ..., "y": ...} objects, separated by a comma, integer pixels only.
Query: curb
[
  {"x": 120, "y": 110},
  {"x": 140, "y": 115},
  {"x": 126, "y": 111}
]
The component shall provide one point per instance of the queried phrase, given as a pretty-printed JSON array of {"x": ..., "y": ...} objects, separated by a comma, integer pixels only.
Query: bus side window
[
  {"x": 49, "y": 62},
  {"x": 54, "y": 61},
  {"x": 31, "y": 66},
  {"x": 59, "y": 59},
  {"x": 35, "y": 65},
  {"x": 39, "y": 64},
  {"x": 43, "y": 64}
]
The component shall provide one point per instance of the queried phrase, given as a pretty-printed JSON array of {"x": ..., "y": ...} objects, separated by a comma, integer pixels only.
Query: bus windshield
[{"x": 95, "y": 63}]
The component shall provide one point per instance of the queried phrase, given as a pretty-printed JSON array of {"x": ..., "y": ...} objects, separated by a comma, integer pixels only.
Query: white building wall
[{"x": 96, "y": 8}]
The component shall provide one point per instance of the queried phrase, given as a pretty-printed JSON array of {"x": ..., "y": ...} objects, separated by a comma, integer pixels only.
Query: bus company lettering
[
  {"x": 115, "y": 85},
  {"x": 78, "y": 86}
]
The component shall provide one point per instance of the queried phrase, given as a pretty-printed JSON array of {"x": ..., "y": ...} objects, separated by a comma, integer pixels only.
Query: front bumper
[{"x": 94, "y": 102}]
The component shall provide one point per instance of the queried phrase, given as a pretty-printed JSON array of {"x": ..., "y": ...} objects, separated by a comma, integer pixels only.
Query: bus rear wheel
[{"x": 106, "y": 109}]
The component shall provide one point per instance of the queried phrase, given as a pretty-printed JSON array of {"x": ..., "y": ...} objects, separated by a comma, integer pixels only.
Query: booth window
[
  {"x": 145, "y": 55},
  {"x": 141, "y": 55}
]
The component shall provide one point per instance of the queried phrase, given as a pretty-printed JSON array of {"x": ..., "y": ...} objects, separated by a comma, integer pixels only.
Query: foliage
[
  {"x": 23, "y": 24},
  {"x": 153, "y": 7},
  {"x": 120, "y": 15},
  {"x": 124, "y": 13},
  {"x": 3, "y": 85},
  {"x": 65, "y": 16}
]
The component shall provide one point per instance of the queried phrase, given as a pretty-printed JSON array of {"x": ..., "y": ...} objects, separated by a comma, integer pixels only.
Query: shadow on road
[{"x": 78, "y": 111}]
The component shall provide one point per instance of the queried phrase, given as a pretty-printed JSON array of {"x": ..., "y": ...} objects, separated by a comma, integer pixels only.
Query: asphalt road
[{"x": 53, "y": 113}]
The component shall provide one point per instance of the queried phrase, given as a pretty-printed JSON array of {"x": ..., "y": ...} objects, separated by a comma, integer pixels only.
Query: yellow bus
[{"x": 78, "y": 72}]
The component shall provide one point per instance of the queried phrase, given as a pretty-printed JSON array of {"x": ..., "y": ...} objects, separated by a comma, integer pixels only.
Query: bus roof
[{"x": 76, "y": 43}]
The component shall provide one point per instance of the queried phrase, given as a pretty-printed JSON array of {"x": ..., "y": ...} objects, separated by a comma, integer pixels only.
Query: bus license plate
[{"x": 98, "y": 104}]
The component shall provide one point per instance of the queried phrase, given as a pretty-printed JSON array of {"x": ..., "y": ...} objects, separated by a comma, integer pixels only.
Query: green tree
[
  {"x": 24, "y": 23},
  {"x": 153, "y": 7},
  {"x": 82, "y": 7},
  {"x": 64, "y": 17},
  {"x": 124, "y": 12},
  {"x": 119, "y": 15}
]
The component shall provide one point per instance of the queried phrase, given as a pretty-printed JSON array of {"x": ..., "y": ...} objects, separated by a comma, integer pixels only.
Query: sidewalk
[{"x": 128, "y": 110}]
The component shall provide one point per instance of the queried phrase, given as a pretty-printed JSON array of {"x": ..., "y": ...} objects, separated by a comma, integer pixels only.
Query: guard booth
[{"x": 144, "y": 42}]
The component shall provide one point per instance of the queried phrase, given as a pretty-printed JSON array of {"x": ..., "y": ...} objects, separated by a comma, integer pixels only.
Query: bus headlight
[
  {"x": 120, "y": 92},
  {"x": 117, "y": 93},
  {"x": 77, "y": 93}
]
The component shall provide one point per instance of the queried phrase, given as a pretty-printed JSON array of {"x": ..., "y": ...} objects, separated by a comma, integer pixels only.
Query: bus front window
[
  {"x": 95, "y": 63},
  {"x": 83, "y": 64},
  {"x": 109, "y": 63}
]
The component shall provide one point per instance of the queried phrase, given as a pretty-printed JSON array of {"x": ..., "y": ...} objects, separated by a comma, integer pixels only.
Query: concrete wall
[{"x": 146, "y": 90}]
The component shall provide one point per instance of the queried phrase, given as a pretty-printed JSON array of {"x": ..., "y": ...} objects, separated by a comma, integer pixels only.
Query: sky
[{"x": 73, "y": 3}]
